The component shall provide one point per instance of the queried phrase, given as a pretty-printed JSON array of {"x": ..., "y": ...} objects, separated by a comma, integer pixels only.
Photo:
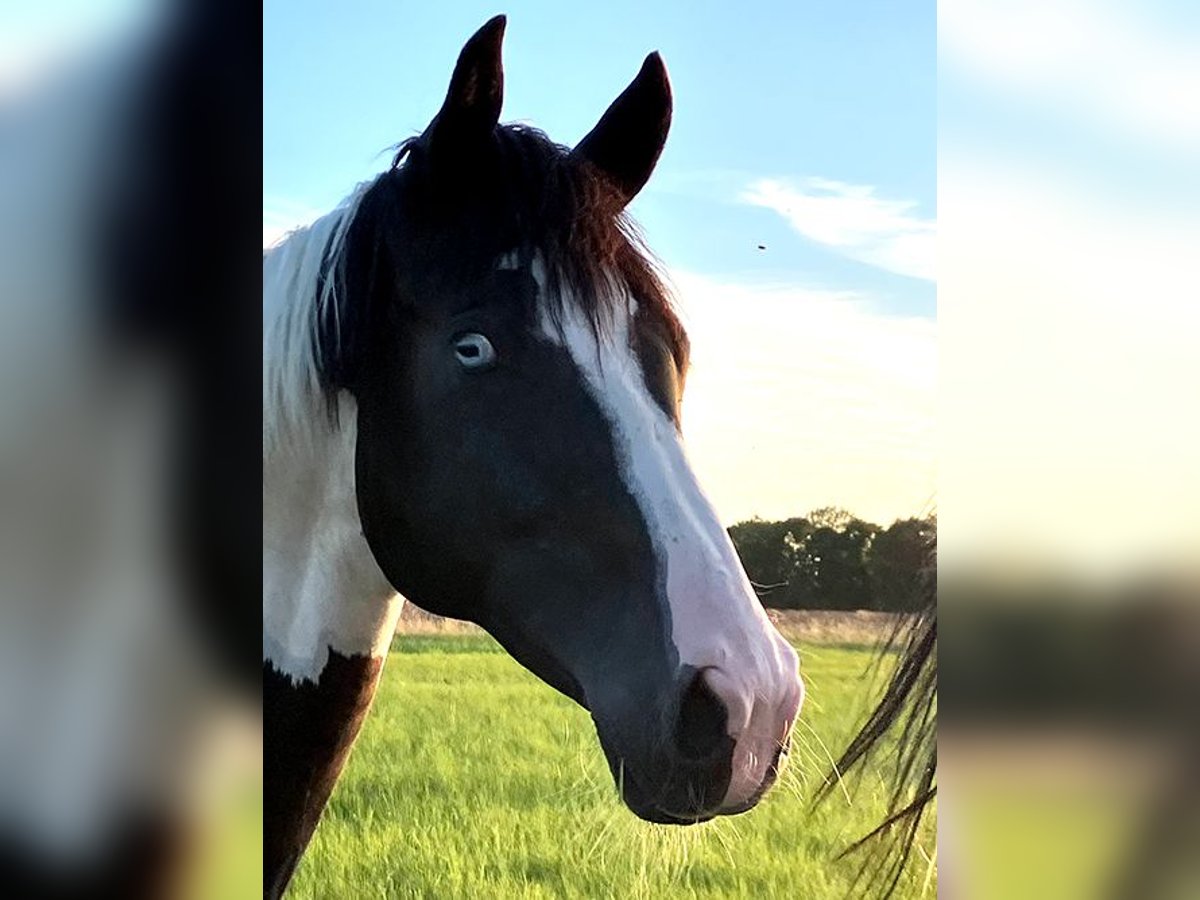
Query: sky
[
  {"x": 1069, "y": 206},
  {"x": 1059, "y": 138},
  {"x": 806, "y": 128}
]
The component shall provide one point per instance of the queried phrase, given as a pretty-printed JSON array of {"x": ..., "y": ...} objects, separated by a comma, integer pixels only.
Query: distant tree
[
  {"x": 766, "y": 555},
  {"x": 831, "y": 572},
  {"x": 834, "y": 560},
  {"x": 895, "y": 562},
  {"x": 793, "y": 595},
  {"x": 830, "y": 517},
  {"x": 797, "y": 530}
]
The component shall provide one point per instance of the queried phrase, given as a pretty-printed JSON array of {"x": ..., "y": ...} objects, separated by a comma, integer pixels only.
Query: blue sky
[
  {"x": 1069, "y": 218},
  {"x": 833, "y": 103},
  {"x": 807, "y": 128},
  {"x": 1065, "y": 165}
]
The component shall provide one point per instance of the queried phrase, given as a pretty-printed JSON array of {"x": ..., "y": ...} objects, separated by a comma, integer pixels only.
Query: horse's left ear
[
  {"x": 629, "y": 138},
  {"x": 472, "y": 105}
]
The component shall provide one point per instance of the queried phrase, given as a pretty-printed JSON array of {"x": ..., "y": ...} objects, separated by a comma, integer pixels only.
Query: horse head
[{"x": 518, "y": 371}]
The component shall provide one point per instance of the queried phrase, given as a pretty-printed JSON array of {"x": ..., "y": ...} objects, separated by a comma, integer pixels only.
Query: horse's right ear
[
  {"x": 627, "y": 141},
  {"x": 472, "y": 106}
]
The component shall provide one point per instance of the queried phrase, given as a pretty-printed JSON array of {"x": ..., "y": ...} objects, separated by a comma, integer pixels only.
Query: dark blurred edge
[
  {"x": 1121, "y": 657},
  {"x": 1111, "y": 667},
  {"x": 178, "y": 258},
  {"x": 146, "y": 861},
  {"x": 1111, "y": 671},
  {"x": 182, "y": 262}
]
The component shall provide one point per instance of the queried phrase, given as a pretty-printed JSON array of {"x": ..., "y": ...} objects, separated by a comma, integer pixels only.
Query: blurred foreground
[
  {"x": 1069, "y": 491},
  {"x": 1068, "y": 740},
  {"x": 129, "y": 403}
]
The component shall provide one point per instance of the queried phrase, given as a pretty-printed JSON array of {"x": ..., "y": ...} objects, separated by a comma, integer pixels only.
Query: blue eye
[{"x": 474, "y": 351}]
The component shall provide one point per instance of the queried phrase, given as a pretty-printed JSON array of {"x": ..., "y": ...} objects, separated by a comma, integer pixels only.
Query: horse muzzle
[{"x": 703, "y": 764}]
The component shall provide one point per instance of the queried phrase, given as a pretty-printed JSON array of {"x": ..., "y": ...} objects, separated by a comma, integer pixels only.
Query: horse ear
[
  {"x": 629, "y": 138},
  {"x": 472, "y": 105}
]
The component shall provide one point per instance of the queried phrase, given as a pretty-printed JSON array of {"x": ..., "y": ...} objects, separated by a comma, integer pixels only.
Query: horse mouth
[
  {"x": 662, "y": 817},
  {"x": 768, "y": 782},
  {"x": 659, "y": 816}
]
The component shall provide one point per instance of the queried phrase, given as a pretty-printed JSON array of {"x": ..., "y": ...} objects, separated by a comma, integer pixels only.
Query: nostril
[{"x": 700, "y": 731}]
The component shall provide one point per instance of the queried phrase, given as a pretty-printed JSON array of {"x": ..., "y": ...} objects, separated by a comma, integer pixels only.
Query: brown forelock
[{"x": 527, "y": 195}]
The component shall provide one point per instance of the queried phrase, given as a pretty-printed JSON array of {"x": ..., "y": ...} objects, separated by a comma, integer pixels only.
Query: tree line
[{"x": 831, "y": 559}]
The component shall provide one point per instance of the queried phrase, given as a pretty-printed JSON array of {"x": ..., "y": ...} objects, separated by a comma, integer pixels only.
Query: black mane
[{"x": 431, "y": 226}]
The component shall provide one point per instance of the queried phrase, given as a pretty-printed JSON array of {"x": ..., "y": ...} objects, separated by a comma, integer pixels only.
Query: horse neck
[
  {"x": 322, "y": 589},
  {"x": 328, "y": 618}
]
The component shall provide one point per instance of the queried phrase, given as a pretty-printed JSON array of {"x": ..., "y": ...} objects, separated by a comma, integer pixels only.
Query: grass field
[{"x": 473, "y": 779}]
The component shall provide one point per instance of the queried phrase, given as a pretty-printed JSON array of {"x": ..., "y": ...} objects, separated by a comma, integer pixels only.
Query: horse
[{"x": 472, "y": 383}]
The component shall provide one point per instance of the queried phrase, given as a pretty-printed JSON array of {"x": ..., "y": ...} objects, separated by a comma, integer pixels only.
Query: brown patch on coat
[{"x": 308, "y": 731}]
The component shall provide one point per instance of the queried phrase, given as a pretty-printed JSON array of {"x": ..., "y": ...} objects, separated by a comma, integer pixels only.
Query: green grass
[{"x": 473, "y": 779}]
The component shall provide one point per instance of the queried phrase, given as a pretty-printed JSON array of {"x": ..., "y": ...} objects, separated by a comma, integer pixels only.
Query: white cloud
[
  {"x": 1069, "y": 373},
  {"x": 853, "y": 220},
  {"x": 801, "y": 398},
  {"x": 1067, "y": 302},
  {"x": 1085, "y": 59}
]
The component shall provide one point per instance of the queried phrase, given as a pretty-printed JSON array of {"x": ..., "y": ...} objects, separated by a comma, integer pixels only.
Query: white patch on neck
[{"x": 322, "y": 588}]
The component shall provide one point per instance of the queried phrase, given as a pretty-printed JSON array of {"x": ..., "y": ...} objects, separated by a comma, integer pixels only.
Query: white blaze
[{"x": 717, "y": 622}]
